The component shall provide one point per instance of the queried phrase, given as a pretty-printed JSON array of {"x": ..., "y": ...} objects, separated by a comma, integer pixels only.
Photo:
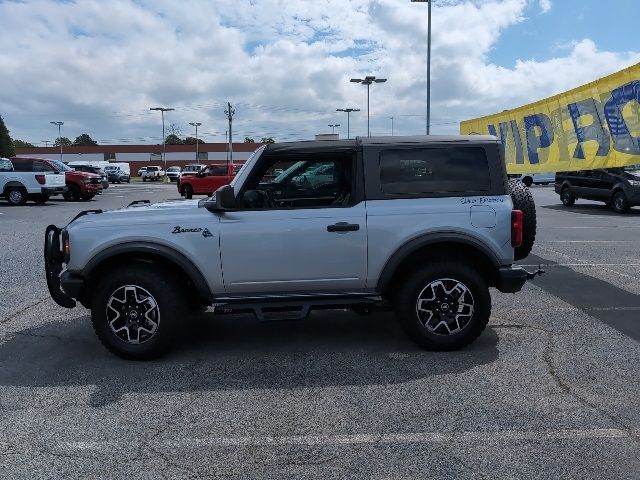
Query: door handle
[{"x": 343, "y": 227}]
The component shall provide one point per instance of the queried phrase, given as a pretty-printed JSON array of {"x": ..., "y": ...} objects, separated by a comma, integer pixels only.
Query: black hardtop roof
[{"x": 319, "y": 146}]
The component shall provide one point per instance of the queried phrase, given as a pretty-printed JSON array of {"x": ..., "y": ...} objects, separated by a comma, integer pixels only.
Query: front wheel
[
  {"x": 620, "y": 203},
  {"x": 135, "y": 311},
  {"x": 443, "y": 306},
  {"x": 188, "y": 191},
  {"x": 72, "y": 194}
]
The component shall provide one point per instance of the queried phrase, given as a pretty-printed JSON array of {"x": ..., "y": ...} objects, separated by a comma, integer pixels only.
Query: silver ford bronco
[{"x": 424, "y": 224}]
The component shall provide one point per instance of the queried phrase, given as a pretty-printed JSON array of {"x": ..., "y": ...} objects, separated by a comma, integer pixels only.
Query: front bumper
[
  {"x": 53, "y": 267},
  {"x": 511, "y": 279}
]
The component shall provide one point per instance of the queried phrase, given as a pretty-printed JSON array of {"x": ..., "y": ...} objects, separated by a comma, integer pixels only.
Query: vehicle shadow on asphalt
[
  {"x": 593, "y": 209},
  {"x": 236, "y": 352}
]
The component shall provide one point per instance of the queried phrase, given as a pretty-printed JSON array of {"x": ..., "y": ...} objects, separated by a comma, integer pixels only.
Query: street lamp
[
  {"x": 333, "y": 126},
  {"x": 164, "y": 146},
  {"x": 368, "y": 80},
  {"x": 348, "y": 111},
  {"x": 392, "y": 125},
  {"x": 196, "y": 124},
  {"x": 428, "y": 64},
  {"x": 46, "y": 143},
  {"x": 59, "y": 124}
]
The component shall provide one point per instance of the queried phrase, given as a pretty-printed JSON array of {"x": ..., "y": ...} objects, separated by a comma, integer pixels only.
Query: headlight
[{"x": 635, "y": 183}]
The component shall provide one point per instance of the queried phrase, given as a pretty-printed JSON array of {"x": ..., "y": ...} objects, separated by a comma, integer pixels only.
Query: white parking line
[
  {"x": 587, "y": 265},
  {"x": 366, "y": 438}
]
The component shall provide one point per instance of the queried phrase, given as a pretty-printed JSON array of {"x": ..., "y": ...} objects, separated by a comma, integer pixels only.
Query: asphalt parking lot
[{"x": 551, "y": 389}]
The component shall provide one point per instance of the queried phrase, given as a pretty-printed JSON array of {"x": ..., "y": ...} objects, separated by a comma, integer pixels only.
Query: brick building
[{"x": 144, "y": 155}]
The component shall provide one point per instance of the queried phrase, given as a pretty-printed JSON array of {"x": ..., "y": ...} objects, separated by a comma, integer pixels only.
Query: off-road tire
[
  {"x": 73, "y": 193},
  {"x": 406, "y": 301},
  {"x": 188, "y": 191},
  {"x": 169, "y": 297},
  {"x": 523, "y": 200},
  {"x": 40, "y": 198},
  {"x": 16, "y": 196},
  {"x": 566, "y": 197},
  {"x": 619, "y": 202}
]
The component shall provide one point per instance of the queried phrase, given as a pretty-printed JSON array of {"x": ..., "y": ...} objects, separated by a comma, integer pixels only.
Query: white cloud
[
  {"x": 286, "y": 65},
  {"x": 545, "y": 5}
]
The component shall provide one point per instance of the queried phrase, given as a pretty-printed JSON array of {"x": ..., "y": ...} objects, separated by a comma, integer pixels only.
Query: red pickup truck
[
  {"x": 207, "y": 180},
  {"x": 80, "y": 185}
]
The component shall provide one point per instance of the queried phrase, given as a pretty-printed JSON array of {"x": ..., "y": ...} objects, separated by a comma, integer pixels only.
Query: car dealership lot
[{"x": 550, "y": 390}]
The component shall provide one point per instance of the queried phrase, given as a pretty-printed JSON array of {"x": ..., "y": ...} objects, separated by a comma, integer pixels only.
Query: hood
[
  {"x": 145, "y": 214},
  {"x": 76, "y": 173}
]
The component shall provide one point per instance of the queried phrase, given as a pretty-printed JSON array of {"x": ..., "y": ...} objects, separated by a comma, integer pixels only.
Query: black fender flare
[
  {"x": 417, "y": 243},
  {"x": 155, "y": 249}
]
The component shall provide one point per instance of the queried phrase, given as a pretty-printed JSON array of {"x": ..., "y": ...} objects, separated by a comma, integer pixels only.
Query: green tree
[
  {"x": 6, "y": 145},
  {"x": 173, "y": 139},
  {"x": 267, "y": 140},
  {"x": 192, "y": 141},
  {"x": 64, "y": 141},
  {"x": 249, "y": 140},
  {"x": 84, "y": 140},
  {"x": 22, "y": 144}
]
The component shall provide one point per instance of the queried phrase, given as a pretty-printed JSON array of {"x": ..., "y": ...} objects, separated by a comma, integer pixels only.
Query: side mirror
[{"x": 223, "y": 199}]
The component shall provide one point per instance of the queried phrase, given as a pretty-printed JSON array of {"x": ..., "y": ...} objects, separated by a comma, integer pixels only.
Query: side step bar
[{"x": 267, "y": 308}]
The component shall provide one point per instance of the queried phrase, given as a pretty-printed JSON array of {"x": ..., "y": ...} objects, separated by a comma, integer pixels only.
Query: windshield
[
  {"x": 61, "y": 167},
  {"x": 252, "y": 159}
]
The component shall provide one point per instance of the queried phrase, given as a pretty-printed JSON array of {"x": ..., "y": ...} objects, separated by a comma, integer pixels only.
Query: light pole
[
  {"x": 46, "y": 143},
  {"x": 59, "y": 124},
  {"x": 230, "y": 112},
  {"x": 392, "y": 125},
  {"x": 428, "y": 64},
  {"x": 196, "y": 124},
  {"x": 348, "y": 111},
  {"x": 164, "y": 146},
  {"x": 368, "y": 80},
  {"x": 333, "y": 126}
]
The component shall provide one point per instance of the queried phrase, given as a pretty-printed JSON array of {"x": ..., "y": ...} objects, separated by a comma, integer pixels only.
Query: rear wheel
[
  {"x": 73, "y": 193},
  {"x": 16, "y": 196},
  {"x": 40, "y": 198},
  {"x": 619, "y": 202},
  {"x": 188, "y": 191},
  {"x": 144, "y": 179},
  {"x": 567, "y": 198},
  {"x": 523, "y": 200},
  {"x": 135, "y": 311},
  {"x": 444, "y": 306},
  {"x": 528, "y": 181},
  {"x": 88, "y": 196}
]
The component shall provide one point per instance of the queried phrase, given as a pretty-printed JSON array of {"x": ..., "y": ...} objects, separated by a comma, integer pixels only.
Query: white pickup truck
[
  {"x": 152, "y": 174},
  {"x": 18, "y": 187}
]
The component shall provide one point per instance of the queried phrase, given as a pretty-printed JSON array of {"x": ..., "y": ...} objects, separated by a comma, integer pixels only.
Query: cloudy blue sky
[{"x": 285, "y": 65}]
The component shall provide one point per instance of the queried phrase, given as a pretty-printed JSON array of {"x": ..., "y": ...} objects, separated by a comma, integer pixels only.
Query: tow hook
[{"x": 539, "y": 271}]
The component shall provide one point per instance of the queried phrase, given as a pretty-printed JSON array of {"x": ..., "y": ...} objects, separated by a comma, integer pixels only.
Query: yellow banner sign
[{"x": 593, "y": 126}]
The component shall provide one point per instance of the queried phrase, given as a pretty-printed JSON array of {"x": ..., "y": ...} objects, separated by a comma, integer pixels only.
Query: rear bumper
[
  {"x": 511, "y": 279},
  {"x": 53, "y": 267},
  {"x": 53, "y": 190}
]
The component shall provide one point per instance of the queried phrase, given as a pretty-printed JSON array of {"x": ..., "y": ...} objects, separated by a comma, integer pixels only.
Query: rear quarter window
[{"x": 434, "y": 170}]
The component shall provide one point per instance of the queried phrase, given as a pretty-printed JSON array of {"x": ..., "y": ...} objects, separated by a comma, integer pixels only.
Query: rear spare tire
[{"x": 523, "y": 200}]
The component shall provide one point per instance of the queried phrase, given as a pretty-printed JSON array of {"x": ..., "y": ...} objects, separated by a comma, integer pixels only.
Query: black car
[
  {"x": 618, "y": 187},
  {"x": 96, "y": 170}
]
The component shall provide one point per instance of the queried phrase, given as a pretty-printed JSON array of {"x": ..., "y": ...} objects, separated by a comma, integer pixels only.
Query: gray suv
[{"x": 423, "y": 224}]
